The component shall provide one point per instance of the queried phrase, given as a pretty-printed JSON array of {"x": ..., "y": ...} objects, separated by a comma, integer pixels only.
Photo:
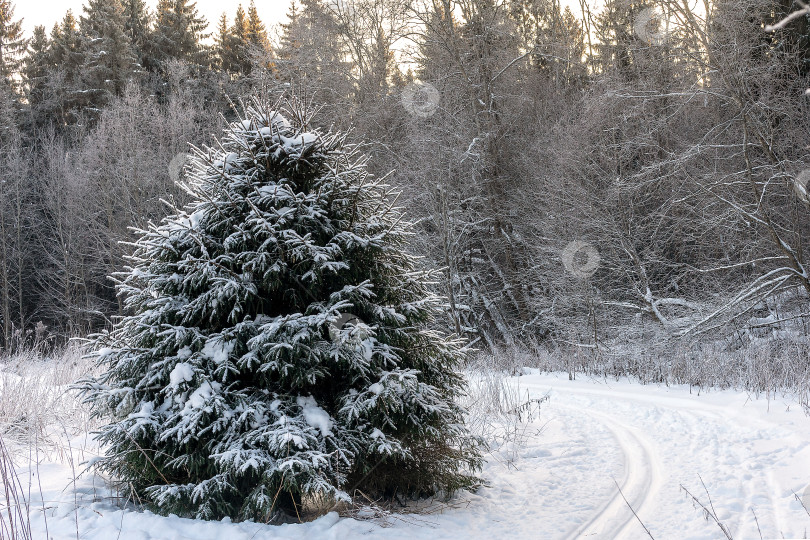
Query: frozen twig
[
  {"x": 801, "y": 502},
  {"x": 757, "y": 522},
  {"x": 630, "y": 506},
  {"x": 708, "y": 511}
]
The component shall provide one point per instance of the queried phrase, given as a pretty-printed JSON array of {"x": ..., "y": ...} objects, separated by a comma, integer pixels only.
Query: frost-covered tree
[
  {"x": 12, "y": 43},
  {"x": 35, "y": 69},
  {"x": 239, "y": 45},
  {"x": 14, "y": 169},
  {"x": 222, "y": 41},
  {"x": 235, "y": 47},
  {"x": 279, "y": 342},
  {"x": 312, "y": 54}
]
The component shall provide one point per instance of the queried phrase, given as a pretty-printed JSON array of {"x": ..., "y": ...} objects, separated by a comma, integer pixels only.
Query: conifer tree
[
  {"x": 36, "y": 67},
  {"x": 257, "y": 34},
  {"x": 12, "y": 44},
  {"x": 310, "y": 38},
  {"x": 136, "y": 26},
  {"x": 222, "y": 43},
  {"x": 619, "y": 47},
  {"x": 66, "y": 45},
  {"x": 311, "y": 53},
  {"x": 15, "y": 249},
  {"x": 65, "y": 61},
  {"x": 179, "y": 32},
  {"x": 234, "y": 387},
  {"x": 240, "y": 44},
  {"x": 109, "y": 60},
  {"x": 555, "y": 36},
  {"x": 236, "y": 45}
]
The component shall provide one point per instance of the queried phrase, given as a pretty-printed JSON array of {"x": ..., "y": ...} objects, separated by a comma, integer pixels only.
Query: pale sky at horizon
[{"x": 48, "y": 12}]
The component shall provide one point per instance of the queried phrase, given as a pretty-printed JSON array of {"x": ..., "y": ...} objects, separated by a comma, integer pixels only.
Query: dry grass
[
  {"x": 15, "y": 523},
  {"x": 37, "y": 406},
  {"x": 39, "y": 418},
  {"x": 499, "y": 411},
  {"x": 771, "y": 366}
]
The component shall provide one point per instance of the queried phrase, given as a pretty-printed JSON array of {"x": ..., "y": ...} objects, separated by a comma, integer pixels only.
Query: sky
[{"x": 48, "y": 12}]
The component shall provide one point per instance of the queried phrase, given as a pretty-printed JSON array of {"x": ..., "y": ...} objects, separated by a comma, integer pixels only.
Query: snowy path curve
[{"x": 751, "y": 459}]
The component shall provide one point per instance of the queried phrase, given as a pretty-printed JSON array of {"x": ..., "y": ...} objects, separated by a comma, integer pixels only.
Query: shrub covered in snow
[{"x": 228, "y": 389}]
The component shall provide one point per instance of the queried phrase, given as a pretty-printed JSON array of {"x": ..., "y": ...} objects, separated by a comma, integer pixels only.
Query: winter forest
[{"x": 406, "y": 269}]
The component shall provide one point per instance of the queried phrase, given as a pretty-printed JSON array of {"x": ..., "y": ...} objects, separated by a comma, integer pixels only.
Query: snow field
[{"x": 552, "y": 474}]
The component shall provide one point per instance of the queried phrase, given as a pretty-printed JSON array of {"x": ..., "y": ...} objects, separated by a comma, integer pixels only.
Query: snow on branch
[{"x": 787, "y": 20}]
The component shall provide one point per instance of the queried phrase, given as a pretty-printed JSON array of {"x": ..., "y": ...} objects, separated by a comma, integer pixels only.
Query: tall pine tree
[
  {"x": 36, "y": 68},
  {"x": 237, "y": 45},
  {"x": 179, "y": 32},
  {"x": 109, "y": 61},
  {"x": 240, "y": 45},
  {"x": 12, "y": 44},
  {"x": 244, "y": 379},
  {"x": 136, "y": 25},
  {"x": 257, "y": 34},
  {"x": 312, "y": 54},
  {"x": 15, "y": 204},
  {"x": 222, "y": 43},
  {"x": 64, "y": 67}
]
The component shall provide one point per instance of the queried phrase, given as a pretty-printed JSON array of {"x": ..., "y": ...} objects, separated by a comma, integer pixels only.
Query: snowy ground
[{"x": 553, "y": 479}]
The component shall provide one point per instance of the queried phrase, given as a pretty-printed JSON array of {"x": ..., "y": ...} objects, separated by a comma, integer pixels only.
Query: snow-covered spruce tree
[{"x": 232, "y": 388}]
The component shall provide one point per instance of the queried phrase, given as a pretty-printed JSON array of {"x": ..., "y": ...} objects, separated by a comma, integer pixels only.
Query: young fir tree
[
  {"x": 66, "y": 43},
  {"x": 63, "y": 74},
  {"x": 312, "y": 53},
  {"x": 232, "y": 44},
  {"x": 233, "y": 387},
  {"x": 222, "y": 43}
]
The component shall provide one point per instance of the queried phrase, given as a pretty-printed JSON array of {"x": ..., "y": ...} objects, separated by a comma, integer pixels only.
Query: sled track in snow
[
  {"x": 653, "y": 465},
  {"x": 639, "y": 483}
]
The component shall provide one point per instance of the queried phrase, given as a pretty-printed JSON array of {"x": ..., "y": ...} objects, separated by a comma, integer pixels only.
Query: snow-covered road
[
  {"x": 557, "y": 477},
  {"x": 751, "y": 460}
]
